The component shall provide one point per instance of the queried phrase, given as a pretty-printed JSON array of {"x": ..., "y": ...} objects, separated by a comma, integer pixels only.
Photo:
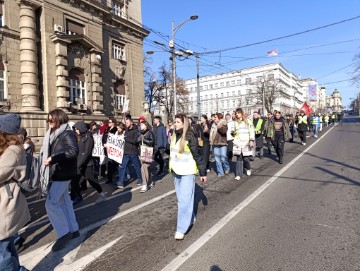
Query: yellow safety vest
[
  {"x": 326, "y": 118},
  {"x": 258, "y": 126},
  {"x": 302, "y": 119},
  {"x": 242, "y": 131},
  {"x": 181, "y": 163}
]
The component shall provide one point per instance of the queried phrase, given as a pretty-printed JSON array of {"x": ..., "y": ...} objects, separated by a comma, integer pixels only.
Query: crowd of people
[{"x": 67, "y": 163}]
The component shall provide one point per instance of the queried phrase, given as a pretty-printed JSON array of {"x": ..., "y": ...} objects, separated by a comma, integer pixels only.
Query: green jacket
[{"x": 285, "y": 128}]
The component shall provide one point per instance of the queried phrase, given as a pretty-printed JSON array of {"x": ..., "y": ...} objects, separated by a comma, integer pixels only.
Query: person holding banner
[
  {"x": 111, "y": 165},
  {"x": 185, "y": 161},
  {"x": 147, "y": 142}
]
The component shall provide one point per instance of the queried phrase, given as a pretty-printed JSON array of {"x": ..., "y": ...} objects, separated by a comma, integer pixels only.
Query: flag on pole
[
  {"x": 273, "y": 52},
  {"x": 306, "y": 108}
]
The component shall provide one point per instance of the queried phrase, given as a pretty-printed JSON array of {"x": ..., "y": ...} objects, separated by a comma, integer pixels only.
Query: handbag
[{"x": 146, "y": 153}]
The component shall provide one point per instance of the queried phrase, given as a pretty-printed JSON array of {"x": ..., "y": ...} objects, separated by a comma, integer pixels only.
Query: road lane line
[{"x": 185, "y": 255}]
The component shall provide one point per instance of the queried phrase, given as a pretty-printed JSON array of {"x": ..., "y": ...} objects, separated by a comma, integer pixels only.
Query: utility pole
[{"x": 198, "y": 86}]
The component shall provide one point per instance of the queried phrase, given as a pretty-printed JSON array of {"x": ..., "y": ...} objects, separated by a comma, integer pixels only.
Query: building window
[
  {"x": 73, "y": 28},
  {"x": 2, "y": 82},
  {"x": 216, "y": 85},
  {"x": 232, "y": 82},
  {"x": 211, "y": 86},
  {"x": 248, "y": 81},
  {"x": 205, "y": 87},
  {"x": 191, "y": 89},
  {"x": 238, "y": 82},
  {"x": 119, "y": 95},
  {"x": 211, "y": 96},
  {"x": 221, "y": 84},
  {"x": 201, "y": 88},
  {"x": 206, "y": 97},
  {"x": 227, "y": 83},
  {"x": 222, "y": 95},
  {"x": 227, "y": 94},
  {"x": 116, "y": 8},
  {"x": 77, "y": 88},
  {"x": 228, "y": 103},
  {"x": 239, "y": 92},
  {"x": 118, "y": 51},
  {"x": 233, "y": 93},
  {"x": 216, "y": 96},
  {"x": 2, "y": 23}
]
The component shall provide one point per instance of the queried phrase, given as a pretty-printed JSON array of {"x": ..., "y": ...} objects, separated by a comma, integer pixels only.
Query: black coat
[
  {"x": 63, "y": 152},
  {"x": 84, "y": 158},
  {"x": 131, "y": 136},
  {"x": 147, "y": 138}
]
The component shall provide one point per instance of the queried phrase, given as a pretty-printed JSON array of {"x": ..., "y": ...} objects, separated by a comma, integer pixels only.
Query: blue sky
[{"x": 325, "y": 55}]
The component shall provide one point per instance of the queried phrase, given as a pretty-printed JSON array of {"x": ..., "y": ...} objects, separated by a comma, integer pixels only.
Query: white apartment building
[{"x": 225, "y": 92}]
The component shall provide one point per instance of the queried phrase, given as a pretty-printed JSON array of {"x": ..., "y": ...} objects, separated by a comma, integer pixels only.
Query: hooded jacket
[
  {"x": 131, "y": 136},
  {"x": 14, "y": 212},
  {"x": 86, "y": 145}
]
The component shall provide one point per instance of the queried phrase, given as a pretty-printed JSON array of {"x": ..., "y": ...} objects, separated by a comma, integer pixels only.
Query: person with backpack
[
  {"x": 159, "y": 131},
  {"x": 14, "y": 211},
  {"x": 85, "y": 164},
  {"x": 58, "y": 165}
]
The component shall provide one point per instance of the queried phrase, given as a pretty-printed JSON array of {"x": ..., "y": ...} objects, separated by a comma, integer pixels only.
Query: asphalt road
[{"x": 302, "y": 215}]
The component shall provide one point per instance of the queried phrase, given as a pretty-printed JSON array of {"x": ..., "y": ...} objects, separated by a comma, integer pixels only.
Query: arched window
[
  {"x": 2, "y": 82},
  {"x": 77, "y": 87},
  {"x": 119, "y": 97}
]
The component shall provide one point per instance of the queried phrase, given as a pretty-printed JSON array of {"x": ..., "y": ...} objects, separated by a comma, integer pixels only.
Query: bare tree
[
  {"x": 266, "y": 87},
  {"x": 356, "y": 73},
  {"x": 162, "y": 92}
]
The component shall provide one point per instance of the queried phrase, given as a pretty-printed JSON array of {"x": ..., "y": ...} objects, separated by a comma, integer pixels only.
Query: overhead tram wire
[{"x": 282, "y": 37}]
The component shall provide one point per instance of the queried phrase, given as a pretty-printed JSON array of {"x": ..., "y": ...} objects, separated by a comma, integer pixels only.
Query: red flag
[{"x": 306, "y": 108}]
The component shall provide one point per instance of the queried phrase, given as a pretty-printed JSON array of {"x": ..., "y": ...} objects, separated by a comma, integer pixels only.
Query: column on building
[
  {"x": 28, "y": 59},
  {"x": 96, "y": 88},
  {"x": 62, "y": 84}
]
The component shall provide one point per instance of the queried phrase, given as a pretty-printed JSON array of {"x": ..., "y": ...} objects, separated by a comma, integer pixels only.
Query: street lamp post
[{"x": 174, "y": 29}]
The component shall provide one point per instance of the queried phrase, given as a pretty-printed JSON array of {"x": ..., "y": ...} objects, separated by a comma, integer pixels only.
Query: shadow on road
[{"x": 215, "y": 268}]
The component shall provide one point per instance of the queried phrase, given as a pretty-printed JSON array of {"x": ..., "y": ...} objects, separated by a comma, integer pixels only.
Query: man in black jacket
[
  {"x": 131, "y": 153},
  {"x": 85, "y": 164}
]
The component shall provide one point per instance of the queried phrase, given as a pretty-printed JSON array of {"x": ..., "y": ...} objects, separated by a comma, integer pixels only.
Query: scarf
[{"x": 45, "y": 153}]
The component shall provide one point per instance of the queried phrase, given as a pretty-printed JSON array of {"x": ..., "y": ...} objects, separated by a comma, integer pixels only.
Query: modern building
[
  {"x": 334, "y": 102},
  {"x": 84, "y": 56},
  {"x": 243, "y": 88}
]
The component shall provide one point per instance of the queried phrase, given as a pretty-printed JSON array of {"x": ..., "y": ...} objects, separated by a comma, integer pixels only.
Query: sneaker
[
  {"x": 208, "y": 170},
  {"x": 304, "y": 143},
  {"x": 281, "y": 161},
  {"x": 179, "y": 236},
  {"x": 61, "y": 242},
  {"x": 238, "y": 178},
  {"x": 315, "y": 136},
  {"x": 248, "y": 172},
  {"x": 120, "y": 186},
  {"x": 143, "y": 189},
  {"x": 227, "y": 172},
  {"x": 101, "y": 198},
  {"x": 151, "y": 185},
  {"x": 138, "y": 184},
  {"x": 75, "y": 234}
]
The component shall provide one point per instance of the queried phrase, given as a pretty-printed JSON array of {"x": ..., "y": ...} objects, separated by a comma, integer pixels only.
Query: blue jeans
[
  {"x": 59, "y": 208},
  {"x": 9, "y": 258},
  {"x": 185, "y": 192},
  {"x": 122, "y": 169},
  {"x": 222, "y": 163},
  {"x": 315, "y": 129}
]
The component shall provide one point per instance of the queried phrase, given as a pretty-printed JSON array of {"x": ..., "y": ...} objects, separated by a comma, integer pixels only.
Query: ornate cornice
[{"x": 32, "y": 3}]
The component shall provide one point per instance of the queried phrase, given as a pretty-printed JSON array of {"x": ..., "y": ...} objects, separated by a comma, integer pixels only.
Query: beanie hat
[
  {"x": 10, "y": 124},
  {"x": 141, "y": 118}
]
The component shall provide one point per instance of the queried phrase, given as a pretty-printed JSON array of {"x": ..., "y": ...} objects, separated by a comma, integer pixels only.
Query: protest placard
[
  {"x": 115, "y": 148},
  {"x": 98, "y": 149}
]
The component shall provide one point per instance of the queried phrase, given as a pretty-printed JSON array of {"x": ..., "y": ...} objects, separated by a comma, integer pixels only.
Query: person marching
[
  {"x": 185, "y": 161},
  {"x": 315, "y": 123},
  {"x": 326, "y": 120},
  {"x": 280, "y": 134},
  {"x": 111, "y": 164},
  {"x": 204, "y": 129},
  {"x": 258, "y": 125},
  {"x": 244, "y": 137},
  {"x": 146, "y": 138},
  {"x": 303, "y": 123},
  {"x": 219, "y": 144},
  {"x": 267, "y": 127},
  {"x": 85, "y": 164}
]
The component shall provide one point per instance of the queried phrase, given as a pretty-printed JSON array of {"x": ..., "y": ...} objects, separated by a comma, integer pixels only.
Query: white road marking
[
  {"x": 32, "y": 258},
  {"x": 185, "y": 255}
]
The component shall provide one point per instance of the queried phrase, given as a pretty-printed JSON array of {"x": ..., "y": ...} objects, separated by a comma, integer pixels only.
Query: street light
[{"x": 174, "y": 30}]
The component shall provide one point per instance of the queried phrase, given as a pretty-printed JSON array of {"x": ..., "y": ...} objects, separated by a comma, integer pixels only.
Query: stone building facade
[
  {"x": 84, "y": 56},
  {"x": 334, "y": 102}
]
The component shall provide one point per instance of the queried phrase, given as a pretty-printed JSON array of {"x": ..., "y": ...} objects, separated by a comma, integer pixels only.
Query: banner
[
  {"x": 273, "y": 52},
  {"x": 126, "y": 106},
  {"x": 306, "y": 108},
  {"x": 115, "y": 148},
  {"x": 312, "y": 93},
  {"x": 98, "y": 149}
]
